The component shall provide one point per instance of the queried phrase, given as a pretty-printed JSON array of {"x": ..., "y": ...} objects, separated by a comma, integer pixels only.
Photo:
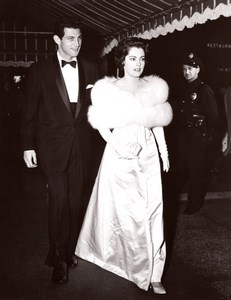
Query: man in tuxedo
[{"x": 57, "y": 137}]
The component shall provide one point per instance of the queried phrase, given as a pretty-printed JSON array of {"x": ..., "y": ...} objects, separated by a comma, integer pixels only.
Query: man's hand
[{"x": 30, "y": 158}]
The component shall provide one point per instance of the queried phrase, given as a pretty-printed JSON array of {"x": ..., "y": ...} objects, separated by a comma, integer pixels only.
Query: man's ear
[{"x": 56, "y": 39}]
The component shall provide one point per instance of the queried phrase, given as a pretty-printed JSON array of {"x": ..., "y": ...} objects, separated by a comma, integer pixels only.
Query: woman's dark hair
[
  {"x": 65, "y": 22},
  {"x": 125, "y": 45}
]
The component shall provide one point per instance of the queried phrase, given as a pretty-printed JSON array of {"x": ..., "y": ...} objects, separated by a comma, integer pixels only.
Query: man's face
[
  {"x": 69, "y": 45},
  {"x": 190, "y": 73}
]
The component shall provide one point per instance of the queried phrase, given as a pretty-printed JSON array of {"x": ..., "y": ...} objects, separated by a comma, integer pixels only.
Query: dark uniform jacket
[{"x": 196, "y": 107}]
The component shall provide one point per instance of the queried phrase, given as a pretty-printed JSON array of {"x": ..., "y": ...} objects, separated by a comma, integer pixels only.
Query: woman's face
[{"x": 134, "y": 62}]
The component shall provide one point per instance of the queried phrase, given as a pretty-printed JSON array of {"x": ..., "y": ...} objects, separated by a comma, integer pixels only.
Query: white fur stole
[{"x": 114, "y": 107}]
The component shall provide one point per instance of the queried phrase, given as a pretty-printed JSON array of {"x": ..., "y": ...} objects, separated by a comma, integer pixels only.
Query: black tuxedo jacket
[{"x": 48, "y": 124}]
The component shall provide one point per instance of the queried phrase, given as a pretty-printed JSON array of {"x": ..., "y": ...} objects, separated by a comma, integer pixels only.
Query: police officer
[{"x": 195, "y": 118}]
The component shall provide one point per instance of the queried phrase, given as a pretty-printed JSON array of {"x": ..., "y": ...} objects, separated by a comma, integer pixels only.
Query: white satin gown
[{"x": 123, "y": 227}]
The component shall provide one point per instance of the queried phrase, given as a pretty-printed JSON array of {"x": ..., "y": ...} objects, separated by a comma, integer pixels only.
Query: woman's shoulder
[
  {"x": 155, "y": 88},
  {"x": 106, "y": 80},
  {"x": 105, "y": 89},
  {"x": 154, "y": 80}
]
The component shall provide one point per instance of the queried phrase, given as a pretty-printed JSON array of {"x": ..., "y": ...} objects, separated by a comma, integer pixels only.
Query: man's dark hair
[{"x": 65, "y": 22}]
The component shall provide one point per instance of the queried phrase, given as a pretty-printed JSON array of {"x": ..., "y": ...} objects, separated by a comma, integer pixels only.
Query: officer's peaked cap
[{"x": 192, "y": 60}]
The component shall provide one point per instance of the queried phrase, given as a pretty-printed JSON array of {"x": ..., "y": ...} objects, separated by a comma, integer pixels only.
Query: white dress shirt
[{"x": 71, "y": 78}]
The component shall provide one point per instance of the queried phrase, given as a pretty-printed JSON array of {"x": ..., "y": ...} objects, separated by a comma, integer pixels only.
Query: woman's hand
[
  {"x": 165, "y": 161},
  {"x": 127, "y": 151}
]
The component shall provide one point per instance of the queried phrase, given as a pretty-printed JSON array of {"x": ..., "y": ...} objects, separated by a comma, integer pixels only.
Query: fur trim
[{"x": 113, "y": 107}]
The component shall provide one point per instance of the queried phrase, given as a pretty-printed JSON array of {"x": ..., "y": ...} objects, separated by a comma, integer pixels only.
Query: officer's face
[{"x": 190, "y": 73}]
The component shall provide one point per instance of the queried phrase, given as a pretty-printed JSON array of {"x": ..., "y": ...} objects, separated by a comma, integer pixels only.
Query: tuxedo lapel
[
  {"x": 81, "y": 88},
  {"x": 61, "y": 85}
]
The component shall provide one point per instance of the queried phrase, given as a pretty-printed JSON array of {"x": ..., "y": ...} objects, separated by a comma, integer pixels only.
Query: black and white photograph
[{"x": 115, "y": 149}]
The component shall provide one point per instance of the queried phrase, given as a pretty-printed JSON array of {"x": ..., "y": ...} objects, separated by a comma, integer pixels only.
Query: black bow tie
[{"x": 72, "y": 63}]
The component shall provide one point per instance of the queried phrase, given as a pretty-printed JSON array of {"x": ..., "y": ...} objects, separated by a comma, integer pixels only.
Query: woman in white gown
[{"x": 123, "y": 227}]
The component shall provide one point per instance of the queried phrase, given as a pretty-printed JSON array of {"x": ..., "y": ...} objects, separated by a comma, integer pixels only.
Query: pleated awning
[
  {"x": 178, "y": 16},
  {"x": 111, "y": 19}
]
